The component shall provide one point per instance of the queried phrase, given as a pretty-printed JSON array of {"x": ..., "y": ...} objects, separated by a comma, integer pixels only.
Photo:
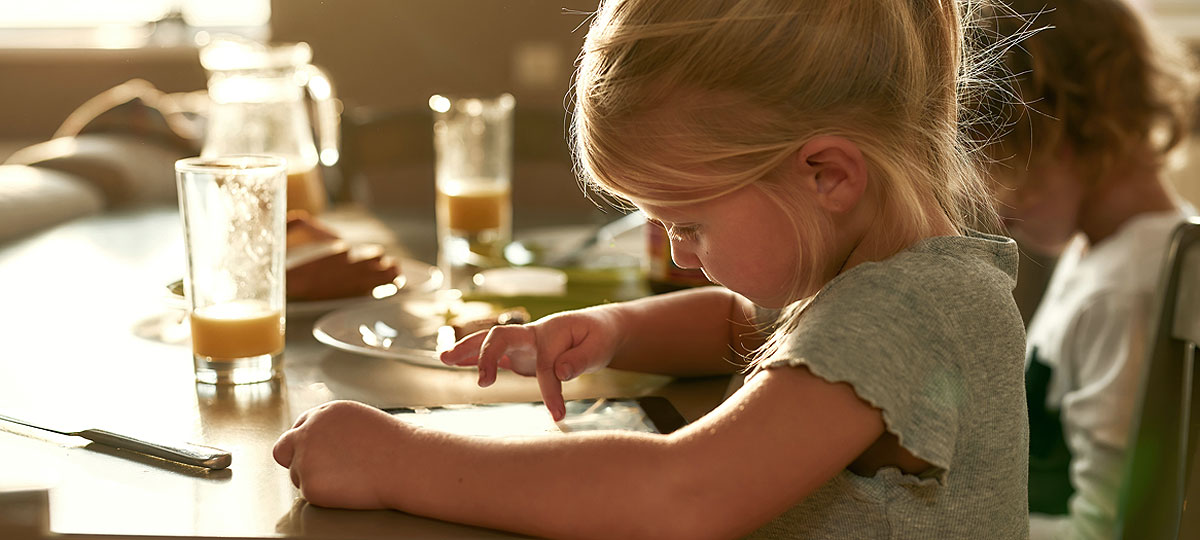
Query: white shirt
[{"x": 1089, "y": 328}]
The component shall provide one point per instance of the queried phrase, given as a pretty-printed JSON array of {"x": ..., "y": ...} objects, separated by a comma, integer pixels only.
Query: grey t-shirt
[{"x": 931, "y": 337}]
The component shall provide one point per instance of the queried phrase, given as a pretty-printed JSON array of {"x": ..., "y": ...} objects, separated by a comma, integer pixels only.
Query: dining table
[{"x": 91, "y": 338}]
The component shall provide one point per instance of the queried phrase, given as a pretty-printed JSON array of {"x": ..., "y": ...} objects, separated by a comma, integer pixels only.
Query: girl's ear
[{"x": 834, "y": 171}]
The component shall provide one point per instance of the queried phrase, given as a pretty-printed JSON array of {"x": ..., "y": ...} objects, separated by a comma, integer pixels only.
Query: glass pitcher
[{"x": 258, "y": 107}]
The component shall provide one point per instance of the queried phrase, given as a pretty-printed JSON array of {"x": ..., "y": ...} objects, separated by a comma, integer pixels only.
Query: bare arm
[
  {"x": 756, "y": 455},
  {"x": 701, "y": 331},
  {"x": 694, "y": 332}
]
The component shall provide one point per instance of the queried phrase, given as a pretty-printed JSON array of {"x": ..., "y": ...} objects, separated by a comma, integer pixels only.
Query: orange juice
[
  {"x": 305, "y": 191},
  {"x": 475, "y": 210},
  {"x": 239, "y": 329},
  {"x": 474, "y": 221}
]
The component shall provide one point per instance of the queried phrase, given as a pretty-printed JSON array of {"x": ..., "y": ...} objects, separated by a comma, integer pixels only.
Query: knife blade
[
  {"x": 603, "y": 233},
  {"x": 187, "y": 453}
]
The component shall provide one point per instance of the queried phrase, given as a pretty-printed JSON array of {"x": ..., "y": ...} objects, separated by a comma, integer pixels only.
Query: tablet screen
[{"x": 523, "y": 419}]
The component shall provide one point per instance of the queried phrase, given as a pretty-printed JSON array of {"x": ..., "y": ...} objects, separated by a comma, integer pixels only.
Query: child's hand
[
  {"x": 339, "y": 454},
  {"x": 554, "y": 349}
]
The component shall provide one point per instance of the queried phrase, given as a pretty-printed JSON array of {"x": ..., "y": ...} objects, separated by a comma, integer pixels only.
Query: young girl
[
  {"x": 804, "y": 154},
  {"x": 1082, "y": 168}
]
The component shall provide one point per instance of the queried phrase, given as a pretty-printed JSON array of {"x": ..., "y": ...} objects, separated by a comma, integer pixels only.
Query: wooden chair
[{"x": 1161, "y": 475}]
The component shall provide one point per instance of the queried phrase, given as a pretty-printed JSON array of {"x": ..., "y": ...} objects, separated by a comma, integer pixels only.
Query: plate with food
[
  {"x": 325, "y": 272},
  {"x": 411, "y": 328},
  {"x": 306, "y": 295}
]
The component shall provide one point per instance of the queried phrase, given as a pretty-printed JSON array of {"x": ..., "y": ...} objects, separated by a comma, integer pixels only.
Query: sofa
[{"x": 115, "y": 151}]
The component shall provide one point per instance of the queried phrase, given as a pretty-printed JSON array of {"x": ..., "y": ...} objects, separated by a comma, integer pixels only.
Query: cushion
[
  {"x": 128, "y": 170},
  {"x": 33, "y": 198}
]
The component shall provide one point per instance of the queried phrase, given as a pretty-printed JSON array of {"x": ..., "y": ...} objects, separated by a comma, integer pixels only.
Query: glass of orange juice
[
  {"x": 234, "y": 215},
  {"x": 472, "y": 138}
]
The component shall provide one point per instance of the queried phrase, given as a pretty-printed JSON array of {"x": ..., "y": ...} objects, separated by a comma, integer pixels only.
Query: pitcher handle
[{"x": 328, "y": 119}]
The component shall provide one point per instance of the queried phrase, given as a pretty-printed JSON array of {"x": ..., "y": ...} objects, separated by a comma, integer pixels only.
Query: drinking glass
[
  {"x": 472, "y": 138},
  {"x": 234, "y": 217}
]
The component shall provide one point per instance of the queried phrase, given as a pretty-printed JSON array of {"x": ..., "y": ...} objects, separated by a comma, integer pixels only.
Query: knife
[
  {"x": 187, "y": 453},
  {"x": 603, "y": 233}
]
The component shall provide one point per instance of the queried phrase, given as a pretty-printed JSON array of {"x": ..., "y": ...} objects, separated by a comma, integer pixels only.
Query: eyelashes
[
  {"x": 679, "y": 233},
  {"x": 684, "y": 233}
]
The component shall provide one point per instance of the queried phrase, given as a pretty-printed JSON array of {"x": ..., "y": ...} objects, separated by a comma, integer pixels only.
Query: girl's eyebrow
[
  {"x": 671, "y": 225},
  {"x": 654, "y": 220},
  {"x": 665, "y": 221}
]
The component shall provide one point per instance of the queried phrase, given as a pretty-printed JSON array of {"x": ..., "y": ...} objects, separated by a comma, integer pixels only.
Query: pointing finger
[{"x": 551, "y": 389}]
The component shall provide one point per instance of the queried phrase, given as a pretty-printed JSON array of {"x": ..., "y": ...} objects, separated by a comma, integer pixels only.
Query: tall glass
[
  {"x": 234, "y": 216},
  {"x": 472, "y": 137}
]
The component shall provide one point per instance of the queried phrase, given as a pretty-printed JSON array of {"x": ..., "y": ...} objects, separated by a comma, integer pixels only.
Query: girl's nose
[{"x": 683, "y": 256}]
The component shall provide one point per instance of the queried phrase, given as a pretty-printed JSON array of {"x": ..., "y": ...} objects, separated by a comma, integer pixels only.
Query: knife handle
[{"x": 191, "y": 454}]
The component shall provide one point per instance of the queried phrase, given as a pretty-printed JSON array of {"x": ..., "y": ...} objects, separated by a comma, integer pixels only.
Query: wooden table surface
[{"x": 88, "y": 339}]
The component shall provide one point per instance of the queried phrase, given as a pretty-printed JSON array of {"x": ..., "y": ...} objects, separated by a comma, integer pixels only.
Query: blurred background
[{"x": 385, "y": 58}]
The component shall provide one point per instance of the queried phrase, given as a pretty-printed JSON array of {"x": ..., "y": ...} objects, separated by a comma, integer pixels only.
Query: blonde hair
[
  {"x": 1097, "y": 79},
  {"x": 680, "y": 101}
]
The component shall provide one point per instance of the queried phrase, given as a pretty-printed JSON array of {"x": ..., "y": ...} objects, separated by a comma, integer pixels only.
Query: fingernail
[{"x": 564, "y": 372}]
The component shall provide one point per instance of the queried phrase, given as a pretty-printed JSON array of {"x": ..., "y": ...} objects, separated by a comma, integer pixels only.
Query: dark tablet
[{"x": 646, "y": 414}]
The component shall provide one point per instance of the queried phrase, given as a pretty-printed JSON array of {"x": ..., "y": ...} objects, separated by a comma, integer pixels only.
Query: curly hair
[{"x": 1097, "y": 79}]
